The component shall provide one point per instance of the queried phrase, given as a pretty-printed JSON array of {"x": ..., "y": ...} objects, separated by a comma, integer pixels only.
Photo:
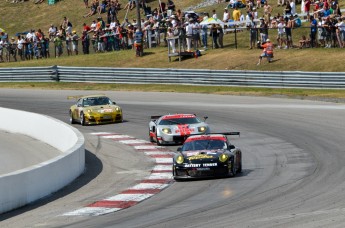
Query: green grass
[{"x": 312, "y": 94}]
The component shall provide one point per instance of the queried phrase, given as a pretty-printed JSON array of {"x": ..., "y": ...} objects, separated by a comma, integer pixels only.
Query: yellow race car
[{"x": 94, "y": 109}]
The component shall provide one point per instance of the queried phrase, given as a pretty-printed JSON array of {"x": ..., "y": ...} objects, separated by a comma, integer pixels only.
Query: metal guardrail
[{"x": 280, "y": 79}]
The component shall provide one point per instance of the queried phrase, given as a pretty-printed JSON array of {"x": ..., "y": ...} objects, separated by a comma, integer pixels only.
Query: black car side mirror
[
  {"x": 114, "y": 102},
  {"x": 179, "y": 149},
  {"x": 231, "y": 147},
  {"x": 205, "y": 118}
]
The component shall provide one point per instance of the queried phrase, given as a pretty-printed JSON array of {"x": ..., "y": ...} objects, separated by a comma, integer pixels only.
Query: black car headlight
[
  {"x": 166, "y": 130},
  {"x": 223, "y": 158},
  {"x": 179, "y": 159},
  {"x": 202, "y": 129}
]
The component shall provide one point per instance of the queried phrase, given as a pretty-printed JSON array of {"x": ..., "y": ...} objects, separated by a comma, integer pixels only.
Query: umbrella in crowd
[{"x": 211, "y": 20}]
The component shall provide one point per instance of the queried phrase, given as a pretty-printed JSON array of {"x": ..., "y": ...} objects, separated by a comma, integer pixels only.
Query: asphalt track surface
[{"x": 293, "y": 164}]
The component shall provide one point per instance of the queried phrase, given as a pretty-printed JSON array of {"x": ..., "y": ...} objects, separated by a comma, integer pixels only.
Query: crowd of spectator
[{"x": 327, "y": 28}]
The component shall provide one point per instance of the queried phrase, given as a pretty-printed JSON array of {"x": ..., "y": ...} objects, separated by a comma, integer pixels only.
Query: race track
[{"x": 293, "y": 172}]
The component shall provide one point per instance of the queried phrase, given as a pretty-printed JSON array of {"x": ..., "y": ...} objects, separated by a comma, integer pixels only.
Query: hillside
[{"x": 25, "y": 16}]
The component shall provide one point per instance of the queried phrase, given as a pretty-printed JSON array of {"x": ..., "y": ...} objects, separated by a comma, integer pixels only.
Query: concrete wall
[{"x": 27, "y": 185}]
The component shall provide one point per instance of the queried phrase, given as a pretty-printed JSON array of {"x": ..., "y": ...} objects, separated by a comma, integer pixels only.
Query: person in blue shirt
[{"x": 313, "y": 30}]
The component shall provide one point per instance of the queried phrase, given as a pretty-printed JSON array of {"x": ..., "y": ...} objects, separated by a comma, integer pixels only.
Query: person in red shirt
[
  {"x": 267, "y": 52},
  {"x": 86, "y": 27}
]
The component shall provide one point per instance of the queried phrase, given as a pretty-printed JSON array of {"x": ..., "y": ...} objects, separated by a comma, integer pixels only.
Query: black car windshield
[
  {"x": 175, "y": 121},
  {"x": 204, "y": 145},
  {"x": 93, "y": 101}
]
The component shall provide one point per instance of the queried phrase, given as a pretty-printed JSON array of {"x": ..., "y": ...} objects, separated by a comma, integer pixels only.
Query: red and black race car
[
  {"x": 175, "y": 128},
  {"x": 208, "y": 155}
]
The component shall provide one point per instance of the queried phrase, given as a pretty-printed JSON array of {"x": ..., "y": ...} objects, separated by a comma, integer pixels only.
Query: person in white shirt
[
  {"x": 1, "y": 50},
  {"x": 189, "y": 35},
  {"x": 293, "y": 7},
  {"x": 20, "y": 47},
  {"x": 226, "y": 15},
  {"x": 281, "y": 33},
  {"x": 52, "y": 31},
  {"x": 93, "y": 25},
  {"x": 214, "y": 14},
  {"x": 112, "y": 25}
]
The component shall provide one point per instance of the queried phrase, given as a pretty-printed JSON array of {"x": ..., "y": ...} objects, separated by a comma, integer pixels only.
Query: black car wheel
[
  {"x": 71, "y": 120},
  {"x": 232, "y": 170},
  {"x": 158, "y": 143},
  {"x": 82, "y": 119},
  {"x": 239, "y": 169}
]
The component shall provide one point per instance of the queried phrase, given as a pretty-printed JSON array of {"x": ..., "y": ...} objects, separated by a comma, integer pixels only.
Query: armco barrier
[
  {"x": 279, "y": 79},
  {"x": 27, "y": 185}
]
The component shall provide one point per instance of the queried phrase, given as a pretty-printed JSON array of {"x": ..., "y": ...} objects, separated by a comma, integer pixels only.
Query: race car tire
[
  {"x": 151, "y": 139},
  {"x": 158, "y": 143},
  {"x": 239, "y": 169},
  {"x": 82, "y": 119},
  {"x": 232, "y": 171},
  {"x": 71, "y": 120}
]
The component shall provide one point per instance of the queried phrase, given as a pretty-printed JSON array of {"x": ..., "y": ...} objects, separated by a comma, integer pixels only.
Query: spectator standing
[
  {"x": 281, "y": 33},
  {"x": 220, "y": 34},
  {"x": 214, "y": 14},
  {"x": 288, "y": 30},
  {"x": 328, "y": 28},
  {"x": 226, "y": 15},
  {"x": 263, "y": 28},
  {"x": 321, "y": 31},
  {"x": 287, "y": 9},
  {"x": 314, "y": 29},
  {"x": 68, "y": 44},
  {"x": 293, "y": 7},
  {"x": 12, "y": 49},
  {"x": 171, "y": 40},
  {"x": 58, "y": 45},
  {"x": 341, "y": 32},
  {"x": 236, "y": 14},
  {"x": 204, "y": 34},
  {"x": 52, "y": 32},
  {"x": 189, "y": 35},
  {"x": 214, "y": 35},
  {"x": 20, "y": 47},
  {"x": 267, "y": 12},
  {"x": 253, "y": 32},
  {"x": 171, "y": 6},
  {"x": 75, "y": 41},
  {"x": 1, "y": 50},
  {"x": 307, "y": 4},
  {"x": 6, "y": 49},
  {"x": 85, "y": 41}
]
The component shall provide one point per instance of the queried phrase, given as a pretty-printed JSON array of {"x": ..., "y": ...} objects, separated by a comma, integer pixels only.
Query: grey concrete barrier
[
  {"x": 35, "y": 182},
  {"x": 273, "y": 79}
]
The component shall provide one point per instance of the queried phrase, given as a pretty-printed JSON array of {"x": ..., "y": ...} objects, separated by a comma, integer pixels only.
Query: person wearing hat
[
  {"x": 12, "y": 49},
  {"x": 75, "y": 39},
  {"x": 267, "y": 52}
]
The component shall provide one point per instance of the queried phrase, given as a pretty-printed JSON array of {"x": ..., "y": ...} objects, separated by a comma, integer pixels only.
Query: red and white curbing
[{"x": 160, "y": 178}]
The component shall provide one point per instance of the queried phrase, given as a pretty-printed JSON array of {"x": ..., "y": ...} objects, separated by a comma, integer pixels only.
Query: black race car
[{"x": 210, "y": 155}]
